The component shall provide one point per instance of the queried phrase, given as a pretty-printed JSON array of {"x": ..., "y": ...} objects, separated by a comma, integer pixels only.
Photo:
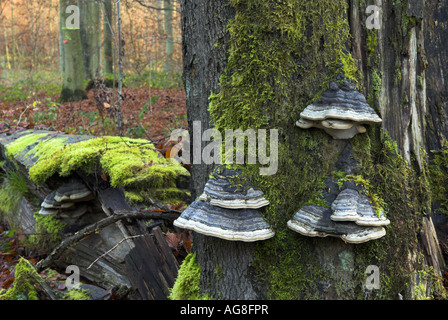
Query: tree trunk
[
  {"x": 73, "y": 84},
  {"x": 61, "y": 38},
  {"x": 169, "y": 6},
  {"x": 108, "y": 38},
  {"x": 90, "y": 37},
  {"x": 120, "y": 68},
  {"x": 262, "y": 63}
]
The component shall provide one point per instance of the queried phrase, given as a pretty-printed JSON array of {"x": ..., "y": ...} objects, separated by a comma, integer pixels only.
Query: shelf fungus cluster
[
  {"x": 350, "y": 217},
  {"x": 342, "y": 112},
  {"x": 226, "y": 210},
  {"x": 69, "y": 200}
]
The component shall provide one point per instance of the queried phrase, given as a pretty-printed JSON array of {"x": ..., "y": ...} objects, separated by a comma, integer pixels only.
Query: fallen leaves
[
  {"x": 178, "y": 241},
  {"x": 166, "y": 113}
]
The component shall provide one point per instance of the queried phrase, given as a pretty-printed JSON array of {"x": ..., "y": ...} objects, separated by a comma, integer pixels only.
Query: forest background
[{"x": 31, "y": 68}]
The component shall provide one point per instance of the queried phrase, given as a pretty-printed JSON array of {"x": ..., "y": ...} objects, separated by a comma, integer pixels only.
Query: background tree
[
  {"x": 169, "y": 47},
  {"x": 261, "y": 63},
  {"x": 73, "y": 82},
  {"x": 108, "y": 37},
  {"x": 90, "y": 14}
]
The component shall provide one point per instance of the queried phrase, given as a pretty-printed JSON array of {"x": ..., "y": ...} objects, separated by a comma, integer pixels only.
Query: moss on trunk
[{"x": 282, "y": 56}]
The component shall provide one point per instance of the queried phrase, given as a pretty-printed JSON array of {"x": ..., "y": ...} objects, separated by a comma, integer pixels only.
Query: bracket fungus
[
  {"x": 315, "y": 221},
  {"x": 350, "y": 205},
  {"x": 69, "y": 200},
  {"x": 342, "y": 112},
  {"x": 235, "y": 225},
  {"x": 219, "y": 192},
  {"x": 74, "y": 191},
  {"x": 349, "y": 215},
  {"x": 226, "y": 211}
]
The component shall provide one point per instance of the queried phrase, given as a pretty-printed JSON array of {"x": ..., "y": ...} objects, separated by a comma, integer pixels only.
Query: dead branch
[{"x": 113, "y": 248}]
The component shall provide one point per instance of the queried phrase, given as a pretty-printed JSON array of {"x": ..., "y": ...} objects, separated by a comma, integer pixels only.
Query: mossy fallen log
[{"x": 115, "y": 174}]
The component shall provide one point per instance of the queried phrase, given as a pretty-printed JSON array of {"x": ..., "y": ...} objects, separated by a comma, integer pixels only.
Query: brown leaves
[
  {"x": 9, "y": 255},
  {"x": 178, "y": 241},
  {"x": 167, "y": 113}
]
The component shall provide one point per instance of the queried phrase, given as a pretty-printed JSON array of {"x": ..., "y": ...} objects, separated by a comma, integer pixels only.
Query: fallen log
[
  {"x": 105, "y": 191},
  {"x": 95, "y": 228}
]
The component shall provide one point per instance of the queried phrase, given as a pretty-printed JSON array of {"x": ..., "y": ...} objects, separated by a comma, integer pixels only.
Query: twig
[
  {"x": 113, "y": 248},
  {"x": 20, "y": 118}
]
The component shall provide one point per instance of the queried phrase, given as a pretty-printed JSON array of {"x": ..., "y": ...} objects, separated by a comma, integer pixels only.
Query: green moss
[
  {"x": 25, "y": 277},
  {"x": 427, "y": 275},
  {"x": 128, "y": 162},
  {"x": 439, "y": 178},
  {"x": 169, "y": 196},
  {"x": 375, "y": 88},
  {"x": 350, "y": 69},
  {"x": 47, "y": 235},
  {"x": 12, "y": 189},
  {"x": 186, "y": 286},
  {"x": 372, "y": 41},
  {"x": 21, "y": 144},
  {"x": 76, "y": 294}
]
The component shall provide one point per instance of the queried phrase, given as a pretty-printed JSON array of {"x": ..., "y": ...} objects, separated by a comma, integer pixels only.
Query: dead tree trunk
[{"x": 112, "y": 242}]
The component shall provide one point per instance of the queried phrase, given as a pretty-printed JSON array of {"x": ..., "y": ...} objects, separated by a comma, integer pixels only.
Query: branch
[
  {"x": 115, "y": 246},
  {"x": 96, "y": 228}
]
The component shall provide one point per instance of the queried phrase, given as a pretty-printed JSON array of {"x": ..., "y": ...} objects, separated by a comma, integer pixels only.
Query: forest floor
[
  {"x": 144, "y": 116},
  {"x": 147, "y": 114}
]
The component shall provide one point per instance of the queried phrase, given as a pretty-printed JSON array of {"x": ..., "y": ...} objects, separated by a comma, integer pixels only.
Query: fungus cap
[
  {"x": 314, "y": 221},
  {"x": 51, "y": 203},
  {"x": 219, "y": 191},
  {"x": 350, "y": 205},
  {"x": 368, "y": 216},
  {"x": 77, "y": 212},
  {"x": 341, "y": 112},
  {"x": 73, "y": 191},
  {"x": 48, "y": 212},
  {"x": 235, "y": 225},
  {"x": 345, "y": 206}
]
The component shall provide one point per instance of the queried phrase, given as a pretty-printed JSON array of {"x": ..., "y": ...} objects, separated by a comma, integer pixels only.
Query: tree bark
[
  {"x": 395, "y": 79},
  {"x": 205, "y": 45}
]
